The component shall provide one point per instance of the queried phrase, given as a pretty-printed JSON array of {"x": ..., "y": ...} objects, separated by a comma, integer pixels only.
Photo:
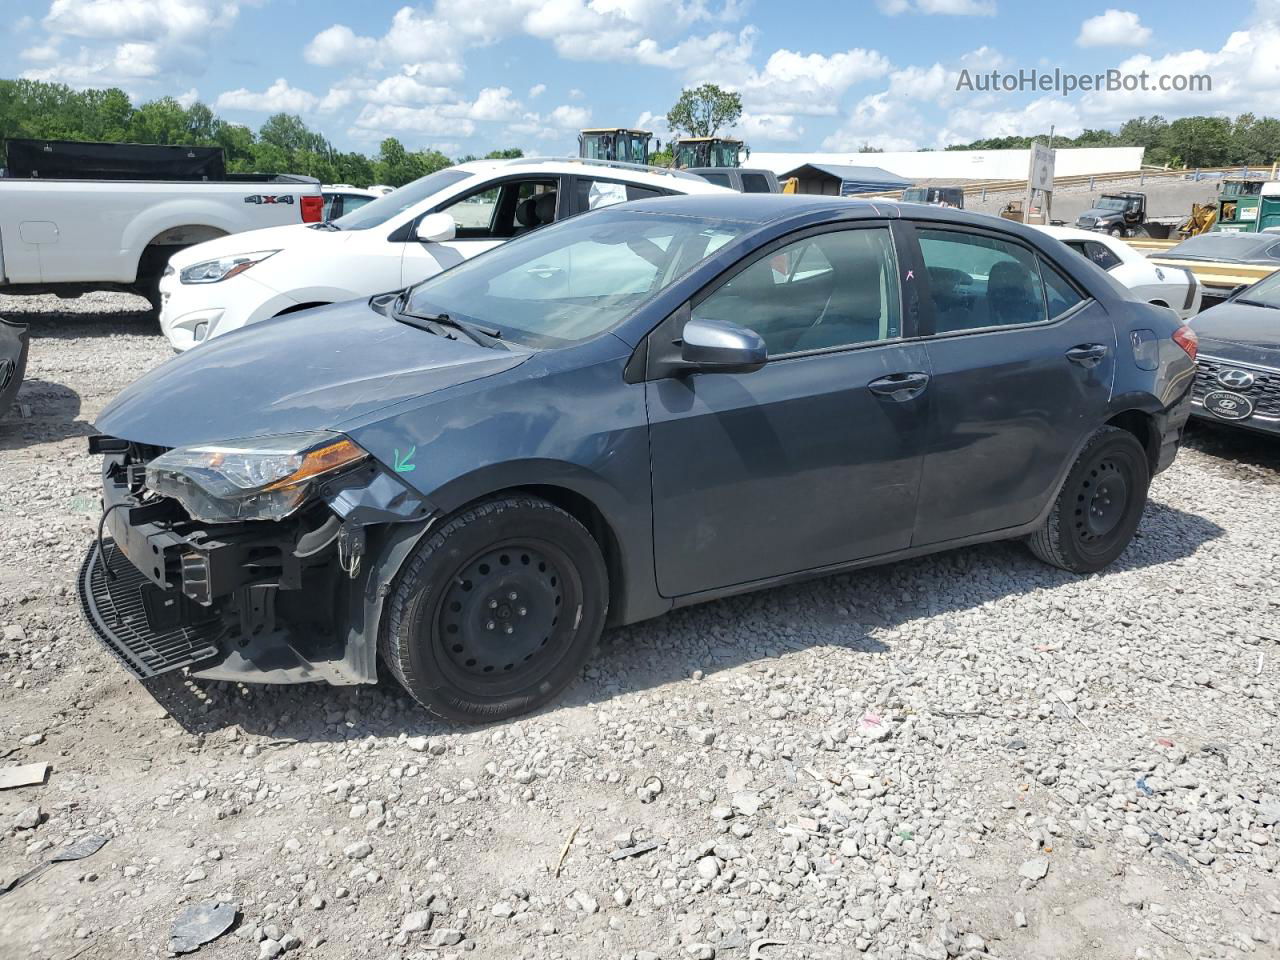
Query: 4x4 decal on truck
[{"x": 268, "y": 198}]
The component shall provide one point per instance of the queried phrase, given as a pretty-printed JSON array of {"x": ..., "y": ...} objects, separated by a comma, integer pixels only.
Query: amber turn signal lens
[{"x": 324, "y": 460}]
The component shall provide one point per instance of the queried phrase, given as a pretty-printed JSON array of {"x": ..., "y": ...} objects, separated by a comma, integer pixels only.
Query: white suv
[{"x": 406, "y": 236}]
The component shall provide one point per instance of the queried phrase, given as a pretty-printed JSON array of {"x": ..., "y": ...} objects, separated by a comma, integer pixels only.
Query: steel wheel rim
[
  {"x": 1102, "y": 500},
  {"x": 491, "y": 643}
]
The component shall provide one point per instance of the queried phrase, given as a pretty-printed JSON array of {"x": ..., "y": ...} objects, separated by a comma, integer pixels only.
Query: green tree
[
  {"x": 289, "y": 133},
  {"x": 1254, "y": 140},
  {"x": 1200, "y": 141},
  {"x": 703, "y": 111},
  {"x": 159, "y": 121},
  {"x": 507, "y": 153}
]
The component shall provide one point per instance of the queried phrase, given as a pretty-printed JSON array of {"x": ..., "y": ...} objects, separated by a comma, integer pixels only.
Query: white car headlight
[
  {"x": 265, "y": 478},
  {"x": 212, "y": 271}
]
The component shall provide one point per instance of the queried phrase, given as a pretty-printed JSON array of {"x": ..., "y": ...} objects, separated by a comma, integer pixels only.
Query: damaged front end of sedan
[{"x": 262, "y": 560}]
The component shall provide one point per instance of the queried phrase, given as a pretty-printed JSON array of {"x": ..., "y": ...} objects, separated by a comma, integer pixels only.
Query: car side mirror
[
  {"x": 717, "y": 346},
  {"x": 436, "y": 228}
]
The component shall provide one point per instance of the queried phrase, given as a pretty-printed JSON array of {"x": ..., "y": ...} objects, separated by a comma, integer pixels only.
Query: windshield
[
  {"x": 1264, "y": 293},
  {"x": 379, "y": 211},
  {"x": 575, "y": 279},
  {"x": 1109, "y": 203}
]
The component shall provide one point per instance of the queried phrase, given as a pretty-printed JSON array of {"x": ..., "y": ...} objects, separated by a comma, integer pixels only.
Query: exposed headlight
[
  {"x": 212, "y": 271},
  {"x": 265, "y": 478}
]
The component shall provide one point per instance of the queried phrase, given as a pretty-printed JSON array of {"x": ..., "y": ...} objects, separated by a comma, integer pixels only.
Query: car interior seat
[{"x": 1011, "y": 296}]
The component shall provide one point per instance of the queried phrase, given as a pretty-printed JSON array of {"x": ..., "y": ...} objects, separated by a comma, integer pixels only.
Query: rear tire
[
  {"x": 1100, "y": 505},
  {"x": 497, "y": 611}
]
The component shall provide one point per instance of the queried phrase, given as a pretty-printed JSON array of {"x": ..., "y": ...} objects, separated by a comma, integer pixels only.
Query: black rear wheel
[
  {"x": 1098, "y": 510},
  {"x": 497, "y": 611}
]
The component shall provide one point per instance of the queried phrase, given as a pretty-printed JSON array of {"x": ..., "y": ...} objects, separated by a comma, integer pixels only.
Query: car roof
[
  {"x": 780, "y": 208},
  {"x": 659, "y": 177}
]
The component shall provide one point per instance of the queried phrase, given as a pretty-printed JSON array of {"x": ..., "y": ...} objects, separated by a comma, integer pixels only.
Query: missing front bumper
[{"x": 149, "y": 630}]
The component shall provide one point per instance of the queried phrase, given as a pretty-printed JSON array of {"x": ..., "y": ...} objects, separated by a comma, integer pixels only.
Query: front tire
[
  {"x": 1100, "y": 504},
  {"x": 497, "y": 611}
]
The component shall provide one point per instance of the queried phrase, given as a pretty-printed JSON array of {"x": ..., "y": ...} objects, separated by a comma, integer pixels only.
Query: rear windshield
[{"x": 378, "y": 212}]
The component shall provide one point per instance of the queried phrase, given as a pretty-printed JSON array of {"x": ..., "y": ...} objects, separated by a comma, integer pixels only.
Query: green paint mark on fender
[{"x": 405, "y": 464}]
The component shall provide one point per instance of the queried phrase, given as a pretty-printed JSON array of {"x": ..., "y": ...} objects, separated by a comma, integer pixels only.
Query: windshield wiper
[
  {"x": 485, "y": 336},
  {"x": 481, "y": 336},
  {"x": 1258, "y": 303},
  {"x": 326, "y": 225}
]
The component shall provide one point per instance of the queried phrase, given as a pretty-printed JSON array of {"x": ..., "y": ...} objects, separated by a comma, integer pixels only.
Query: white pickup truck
[{"x": 76, "y": 217}]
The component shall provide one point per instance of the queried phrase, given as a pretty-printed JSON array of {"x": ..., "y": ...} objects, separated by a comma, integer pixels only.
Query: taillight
[
  {"x": 1186, "y": 338},
  {"x": 312, "y": 209}
]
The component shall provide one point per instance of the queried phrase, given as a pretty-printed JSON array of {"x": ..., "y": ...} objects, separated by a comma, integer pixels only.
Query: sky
[{"x": 466, "y": 76}]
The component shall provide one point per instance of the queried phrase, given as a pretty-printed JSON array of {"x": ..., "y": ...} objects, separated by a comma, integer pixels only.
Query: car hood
[
  {"x": 305, "y": 371},
  {"x": 293, "y": 237},
  {"x": 1098, "y": 213},
  {"x": 1241, "y": 324}
]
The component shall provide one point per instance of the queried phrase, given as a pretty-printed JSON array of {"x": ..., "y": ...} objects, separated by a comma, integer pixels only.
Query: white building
[{"x": 962, "y": 164}]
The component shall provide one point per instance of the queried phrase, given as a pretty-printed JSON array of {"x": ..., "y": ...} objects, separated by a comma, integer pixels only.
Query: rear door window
[
  {"x": 755, "y": 183},
  {"x": 979, "y": 281},
  {"x": 1101, "y": 255},
  {"x": 594, "y": 194},
  {"x": 1060, "y": 295}
]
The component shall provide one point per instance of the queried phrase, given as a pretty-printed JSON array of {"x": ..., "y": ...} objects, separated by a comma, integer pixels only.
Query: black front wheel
[
  {"x": 1101, "y": 502},
  {"x": 497, "y": 611}
]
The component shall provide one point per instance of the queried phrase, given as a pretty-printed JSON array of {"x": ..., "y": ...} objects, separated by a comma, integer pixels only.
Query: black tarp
[{"x": 71, "y": 160}]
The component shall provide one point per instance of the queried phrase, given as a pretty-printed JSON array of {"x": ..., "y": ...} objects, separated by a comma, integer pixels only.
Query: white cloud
[
  {"x": 1114, "y": 28},
  {"x": 338, "y": 45},
  {"x": 494, "y": 103},
  {"x": 188, "y": 20},
  {"x": 1245, "y": 75},
  {"x": 277, "y": 98},
  {"x": 812, "y": 84},
  {"x": 896, "y": 118},
  {"x": 335, "y": 99},
  {"x": 769, "y": 126},
  {"x": 425, "y": 46},
  {"x": 407, "y": 90},
  {"x": 426, "y": 122},
  {"x": 126, "y": 41},
  {"x": 41, "y": 52},
  {"x": 124, "y": 65},
  {"x": 188, "y": 98},
  {"x": 567, "y": 117},
  {"x": 956, "y": 8},
  {"x": 537, "y": 90}
]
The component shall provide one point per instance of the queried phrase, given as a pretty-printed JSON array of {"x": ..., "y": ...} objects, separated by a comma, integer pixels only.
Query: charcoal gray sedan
[{"x": 637, "y": 409}]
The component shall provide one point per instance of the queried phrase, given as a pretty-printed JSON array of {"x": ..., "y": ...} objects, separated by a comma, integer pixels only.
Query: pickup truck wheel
[
  {"x": 496, "y": 613},
  {"x": 1099, "y": 507}
]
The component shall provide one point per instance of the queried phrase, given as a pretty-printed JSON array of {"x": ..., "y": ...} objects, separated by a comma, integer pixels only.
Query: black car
[
  {"x": 1238, "y": 382},
  {"x": 639, "y": 408}
]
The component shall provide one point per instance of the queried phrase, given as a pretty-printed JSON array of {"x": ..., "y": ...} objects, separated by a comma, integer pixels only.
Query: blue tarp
[{"x": 853, "y": 180}]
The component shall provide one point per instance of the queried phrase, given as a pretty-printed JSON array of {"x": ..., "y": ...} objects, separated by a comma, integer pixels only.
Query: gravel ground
[{"x": 965, "y": 755}]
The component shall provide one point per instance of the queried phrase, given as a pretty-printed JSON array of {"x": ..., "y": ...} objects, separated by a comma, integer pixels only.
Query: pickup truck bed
[{"x": 70, "y": 236}]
